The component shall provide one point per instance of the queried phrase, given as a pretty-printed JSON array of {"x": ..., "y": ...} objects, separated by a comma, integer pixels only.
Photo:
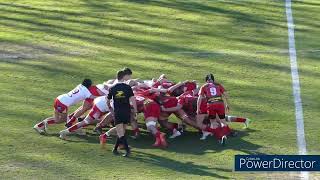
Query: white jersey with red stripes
[
  {"x": 102, "y": 89},
  {"x": 76, "y": 95},
  {"x": 101, "y": 103}
]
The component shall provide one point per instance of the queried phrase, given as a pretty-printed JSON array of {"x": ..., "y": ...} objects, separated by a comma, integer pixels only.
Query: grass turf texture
[{"x": 47, "y": 47}]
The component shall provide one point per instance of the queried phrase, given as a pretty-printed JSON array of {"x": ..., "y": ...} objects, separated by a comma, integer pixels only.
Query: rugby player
[
  {"x": 97, "y": 90},
  {"x": 98, "y": 110},
  {"x": 63, "y": 102},
  {"x": 214, "y": 95}
]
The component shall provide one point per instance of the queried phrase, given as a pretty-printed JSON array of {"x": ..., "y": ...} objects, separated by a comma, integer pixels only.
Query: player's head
[
  {"x": 132, "y": 83},
  {"x": 120, "y": 75},
  {"x": 209, "y": 78},
  {"x": 86, "y": 83},
  {"x": 162, "y": 78},
  {"x": 127, "y": 73},
  {"x": 190, "y": 86}
]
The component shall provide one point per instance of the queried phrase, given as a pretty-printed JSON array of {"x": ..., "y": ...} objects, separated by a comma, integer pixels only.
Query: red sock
[
  {"x": 104, "y": 135},
  {"x": 173, "y": 126},
  {"x": 40, "y": 125},
  {"x": 51, "y": 122},
  {"x": 239, "y": 119},
  {"x": 71, "y": 121},
  {"x": 70, "y": 115},
  {"x": 226, "y": 130},
  {"x": 158, "y": 134},
  {"x": 136, "y": 131},
  {"x": 208, "y": 129},
  {"x": 73, "y": 128},
  {"x": 218, "y": 133}
]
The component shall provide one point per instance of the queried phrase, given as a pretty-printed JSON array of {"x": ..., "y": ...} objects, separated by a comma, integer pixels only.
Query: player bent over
[
  {"x": 98, "y": 110},
  {"x": 151, "y": 114},
  {"x": 216, "y": 100},
  {"x": 97, "y": 90},
  {"x": 63, "y": 102}
]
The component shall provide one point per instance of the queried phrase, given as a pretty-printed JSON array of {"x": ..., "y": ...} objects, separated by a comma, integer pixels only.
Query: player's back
[
  {"x": 76, "y": 95},
  {"x": 120, "y": 93},
  {"x": 210, "y": 90},
  {"x": 188, "y": 101}
]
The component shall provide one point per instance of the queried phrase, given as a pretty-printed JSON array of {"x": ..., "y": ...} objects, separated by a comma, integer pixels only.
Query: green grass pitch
[{"x": 47, "y": 47}]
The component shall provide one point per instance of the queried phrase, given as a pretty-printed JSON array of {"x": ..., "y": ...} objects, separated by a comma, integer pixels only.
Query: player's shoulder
[
  {"x": 218, "y": 84},
  {"x": 205, "y": 85}
]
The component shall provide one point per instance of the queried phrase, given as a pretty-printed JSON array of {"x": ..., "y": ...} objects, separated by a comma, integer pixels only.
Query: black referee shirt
[{"x": 121, "y": 93}]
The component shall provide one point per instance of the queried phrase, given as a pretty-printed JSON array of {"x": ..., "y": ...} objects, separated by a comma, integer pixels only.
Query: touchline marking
[{"x": 301, "y": 140}]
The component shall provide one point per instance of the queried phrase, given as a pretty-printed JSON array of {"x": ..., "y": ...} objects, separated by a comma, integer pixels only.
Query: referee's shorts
[{"x": 122, "y": 117}]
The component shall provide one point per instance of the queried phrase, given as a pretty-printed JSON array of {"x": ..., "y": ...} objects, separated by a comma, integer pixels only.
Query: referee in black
[{"x": 122, "y": 96}]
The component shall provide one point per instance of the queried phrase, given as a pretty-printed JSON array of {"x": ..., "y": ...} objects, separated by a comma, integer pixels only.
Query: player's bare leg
[
  {"x": 206, "y": 131},
  {"x": 186, "y": 119},
  {"x": 173, "y": 127},
  {"x": 160, "y": 140},
  {"x": 219, "y": 128},
  {"x": 79, "y": 112},
  {"x": 87, "y": 121},
  {"x": 58, "y": 118},
  {"x": 107, "y": 120},
  {"x": 134, "y": 126}
]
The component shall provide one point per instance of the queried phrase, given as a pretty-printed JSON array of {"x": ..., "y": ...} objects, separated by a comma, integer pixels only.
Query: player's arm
[
  {"x": 142, "y": 85},
  {"x": 153, "y": 90},
  {"x": 108, "y": 102},
  {"x": 172, "y": 109},
  {"x": 225, "y": 98},
  {"x": 201, "y": 96},
  {"x": 174, "y": 87},
  {"x": 134, "y": 104},
  {"x": 111, "y": 81}
]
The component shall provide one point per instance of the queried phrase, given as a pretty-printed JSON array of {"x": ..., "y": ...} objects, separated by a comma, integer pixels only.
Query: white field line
[
  {"x": 235, "y": 52},
  {"x": 301, "y": 140}
]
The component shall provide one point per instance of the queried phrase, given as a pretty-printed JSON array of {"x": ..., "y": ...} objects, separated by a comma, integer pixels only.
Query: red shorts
[
  {"x": 95, "y": 113},
  {"x": 203, "y": 107},
  {"x": 216, "y": 108},
  {"x": 151, "y": 109},
  {"x": 59, "y": 107}
]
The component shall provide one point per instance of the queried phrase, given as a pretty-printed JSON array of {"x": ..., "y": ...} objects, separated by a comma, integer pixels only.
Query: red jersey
[
  {"x": 146, "y": 94},
  {"x": 140, "y": 103},
  {"x": 169, "y": 102},
  {"x": 213, "y": 92},
  {"x": 188, "y": 102},
  {"x": 165, "y": 85}
]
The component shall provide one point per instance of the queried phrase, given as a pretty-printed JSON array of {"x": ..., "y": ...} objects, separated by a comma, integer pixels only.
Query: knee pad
[{"x": 151, "y": 123}]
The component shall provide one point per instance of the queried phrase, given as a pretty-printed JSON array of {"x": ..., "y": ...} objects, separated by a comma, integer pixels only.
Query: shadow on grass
[
  {"x": 188, "y": 143},
  {"x": 187, "y": 168}
]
